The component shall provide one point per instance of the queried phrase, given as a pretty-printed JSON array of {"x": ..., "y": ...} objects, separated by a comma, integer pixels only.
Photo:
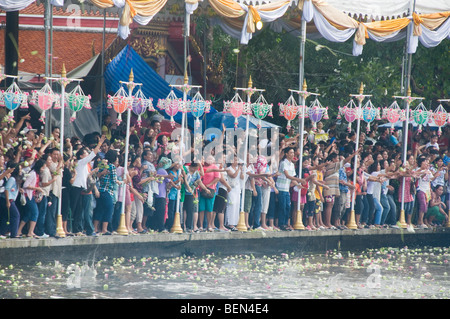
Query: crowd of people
[{"x": 89, "y": 180}]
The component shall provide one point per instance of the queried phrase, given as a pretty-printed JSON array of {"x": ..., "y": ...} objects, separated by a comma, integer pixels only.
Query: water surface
[{"x": 379, "y": 273}]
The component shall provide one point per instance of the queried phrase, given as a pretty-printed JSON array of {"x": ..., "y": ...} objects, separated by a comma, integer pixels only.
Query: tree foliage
[{"x": 272, "y": 60}]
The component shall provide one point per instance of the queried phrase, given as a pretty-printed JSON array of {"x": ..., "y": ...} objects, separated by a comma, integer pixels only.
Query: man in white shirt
[
  {"x": 288, "y": 174},
  {"x": 80, "y": 183}
]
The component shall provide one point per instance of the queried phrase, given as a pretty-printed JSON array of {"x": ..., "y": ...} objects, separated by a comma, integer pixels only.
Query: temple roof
[{"x": 70, "y": 48}]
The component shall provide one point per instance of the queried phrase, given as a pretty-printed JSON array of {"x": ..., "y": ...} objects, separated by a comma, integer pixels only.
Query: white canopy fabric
[
  {"x": 336, "y": 25},
  {"x": 388, "y": 9},
  {"x": 331, "y": 17},
  {"x": 428, "y": 38}
]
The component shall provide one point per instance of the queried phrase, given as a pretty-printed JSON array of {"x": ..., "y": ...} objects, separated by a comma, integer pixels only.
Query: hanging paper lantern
[
  {"x": 171, "y": 104},
  {"x": 140, "y": 105},
  {"x": 13, "y": 98},
  {"x": 350, "y": 113},
  {"x": 76, "y": 100},
  {"x": 289, "y": 110},
  {"x": 261, "y": 109},
  {"x": 440, "y": 116},
  {"x": 316, "y": 112},
  {"x": 393, "y": 114},
  {"x": 236, "y": 107},
  {"x": 119, "y": 102},
  {"x": 369, "y": 114},
  {"x": 420, "y": 116},
  {"x": 198, "y": 106},
  {"x": 44, "y": 99}
]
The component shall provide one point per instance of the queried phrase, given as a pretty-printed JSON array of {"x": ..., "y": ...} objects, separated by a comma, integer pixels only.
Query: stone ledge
[{"x": 169, "y": 245}]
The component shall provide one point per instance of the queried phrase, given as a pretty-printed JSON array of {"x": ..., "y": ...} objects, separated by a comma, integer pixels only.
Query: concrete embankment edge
[{"x": 79, "y": 249}]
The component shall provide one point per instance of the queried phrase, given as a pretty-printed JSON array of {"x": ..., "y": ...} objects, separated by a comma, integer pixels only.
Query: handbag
[
  {"x": 23, "y": 199},
  {"x": 38, "y": 197},
  {"x": 211, "y": 194}
]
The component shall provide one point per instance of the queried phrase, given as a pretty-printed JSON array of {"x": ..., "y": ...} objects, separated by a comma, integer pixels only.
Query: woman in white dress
[{"x": 233, "y": 198}]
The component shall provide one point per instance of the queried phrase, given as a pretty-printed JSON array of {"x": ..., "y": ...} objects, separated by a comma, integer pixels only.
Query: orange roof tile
[
  {"x": 70, "y": 48},
  {"x": 39, "y": 9}
]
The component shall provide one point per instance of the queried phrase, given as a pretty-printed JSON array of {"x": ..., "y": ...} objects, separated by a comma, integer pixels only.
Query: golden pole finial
[
  {"x": 186, "y": 79},
  {"x": 250, "y": 82},
  {"x": 409, "y": 91},
  {"x": 361, "y": 88},
  {"x": 63, "y": 72},
  {"x": 305, "y": 87},
  {"x": 131, "y": 77}
]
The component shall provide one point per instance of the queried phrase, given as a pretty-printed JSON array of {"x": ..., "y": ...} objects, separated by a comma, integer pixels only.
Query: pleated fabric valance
[{"x": 331, "y": 20}]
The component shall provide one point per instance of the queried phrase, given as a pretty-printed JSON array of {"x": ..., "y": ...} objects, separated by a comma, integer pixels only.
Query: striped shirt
[
  {"x": 331, "y": 179},
  {"x": 283, "y": 183}
]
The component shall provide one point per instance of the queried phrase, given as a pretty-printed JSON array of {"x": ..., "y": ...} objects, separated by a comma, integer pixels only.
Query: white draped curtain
[
  {"x": 429, "y": 38},
  {"x": 267, "y": 13},
  {"x": 336, "y": 26}
]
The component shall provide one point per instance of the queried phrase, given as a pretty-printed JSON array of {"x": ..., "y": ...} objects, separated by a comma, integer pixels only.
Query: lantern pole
[
  {"x": 408, "y": 99},
  {"x": 351, "y": 224},
  {"x": 63, "y": 81},
  {"x": 122, "y": 230},
  {"x": 249, "y": 91},
  {"x": 298, "y": 225},
  {"x": 176, "y": 228}
]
